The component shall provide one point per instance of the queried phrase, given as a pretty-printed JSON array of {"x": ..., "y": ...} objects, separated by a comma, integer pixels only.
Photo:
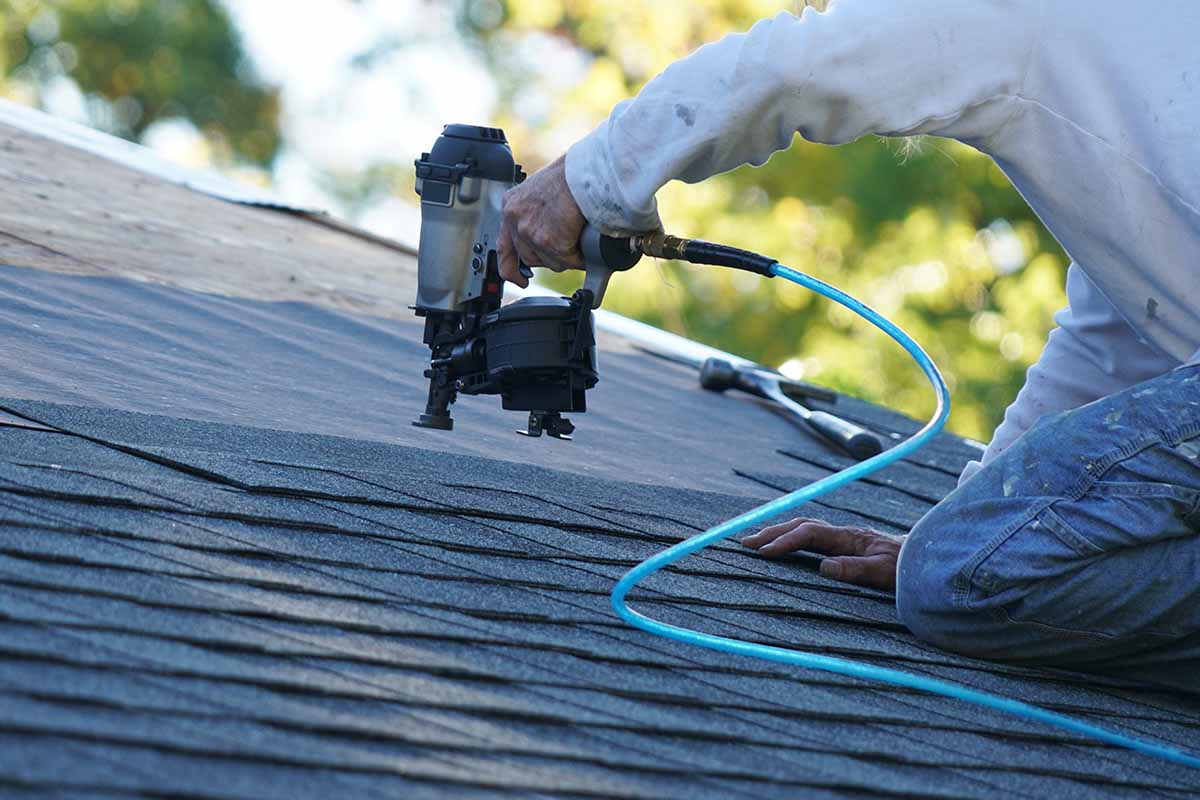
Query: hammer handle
[
  {"x": 858, "y": 442},
  {"x": 855, "y": 440}
]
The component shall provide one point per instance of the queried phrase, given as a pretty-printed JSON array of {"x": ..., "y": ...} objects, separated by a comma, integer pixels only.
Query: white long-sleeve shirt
[{"x": 1091, "y": 107}]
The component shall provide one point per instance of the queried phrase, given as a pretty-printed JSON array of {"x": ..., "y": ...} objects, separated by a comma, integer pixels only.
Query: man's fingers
[
  {"x": 509, "y": 267},
  {"x": 541, "y": 224},
  {"x": 569, "y": 259},
  {"x": 877, "y": 571},
  {"x": 773, "y": 532},
  {"x": 529, "y": 254},
  {"x": 819, "y": 537},
  {"x": 856, "y": 555},
  {"x": 549, "y": 250}
]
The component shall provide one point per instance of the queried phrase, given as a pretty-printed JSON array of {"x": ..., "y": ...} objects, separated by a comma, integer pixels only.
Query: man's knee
[
  {"x": 939, "y": 595},
  {"x": 932, "y": 582},
  {"x": 925, "y": 581}
]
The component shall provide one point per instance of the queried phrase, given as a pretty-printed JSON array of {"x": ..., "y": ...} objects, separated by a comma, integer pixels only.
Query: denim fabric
[{"x": 1079, "y": 546}]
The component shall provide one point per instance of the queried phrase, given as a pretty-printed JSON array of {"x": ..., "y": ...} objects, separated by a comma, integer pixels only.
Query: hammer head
[{"x": 717, "y": 375}]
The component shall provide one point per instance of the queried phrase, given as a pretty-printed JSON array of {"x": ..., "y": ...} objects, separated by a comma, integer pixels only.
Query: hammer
[{"x": 717, "y": 375}]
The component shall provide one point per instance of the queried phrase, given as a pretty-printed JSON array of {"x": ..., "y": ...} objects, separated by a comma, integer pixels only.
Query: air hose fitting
[{"x": 660, "y": 245}]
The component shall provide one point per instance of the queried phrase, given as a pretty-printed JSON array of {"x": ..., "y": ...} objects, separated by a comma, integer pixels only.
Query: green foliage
[
  {"x": 147, "y": 60},
  {"x": 933, "y": 236}
]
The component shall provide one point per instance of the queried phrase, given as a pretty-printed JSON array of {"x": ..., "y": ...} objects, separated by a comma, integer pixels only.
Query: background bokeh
[{"x": 330, "y": 101}]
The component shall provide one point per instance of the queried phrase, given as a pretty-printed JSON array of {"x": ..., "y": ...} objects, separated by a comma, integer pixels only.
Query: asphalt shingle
[{"x": 306, "y": 615}]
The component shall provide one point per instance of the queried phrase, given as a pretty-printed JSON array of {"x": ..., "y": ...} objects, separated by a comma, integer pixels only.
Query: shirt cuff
[{"x": 597, "y": 191}]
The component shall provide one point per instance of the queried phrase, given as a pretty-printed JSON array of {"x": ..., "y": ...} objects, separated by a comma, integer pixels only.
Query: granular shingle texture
[{"x": 193, "y": 608}]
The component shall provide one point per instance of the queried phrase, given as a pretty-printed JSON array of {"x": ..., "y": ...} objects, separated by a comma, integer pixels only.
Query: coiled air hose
[{"x": 698, "y": 252}]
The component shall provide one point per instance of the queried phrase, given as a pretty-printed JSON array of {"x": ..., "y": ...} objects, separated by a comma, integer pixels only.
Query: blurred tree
[
  {"x": 932, "y": 235},
  {"x": 137, "y": 62}
]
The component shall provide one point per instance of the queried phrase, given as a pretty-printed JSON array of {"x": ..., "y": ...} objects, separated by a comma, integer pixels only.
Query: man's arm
[{"x": 863, "y": 66}]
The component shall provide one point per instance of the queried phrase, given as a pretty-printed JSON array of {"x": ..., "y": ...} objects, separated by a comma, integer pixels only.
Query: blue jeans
[{"x": 1078, "y": 547}]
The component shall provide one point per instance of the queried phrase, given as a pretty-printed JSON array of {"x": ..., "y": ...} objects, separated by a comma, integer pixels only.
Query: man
[{"x": 1076, "y": 540}]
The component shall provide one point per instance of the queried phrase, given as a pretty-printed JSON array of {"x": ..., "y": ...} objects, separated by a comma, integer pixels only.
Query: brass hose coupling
[{"x": 660, "y": 245}]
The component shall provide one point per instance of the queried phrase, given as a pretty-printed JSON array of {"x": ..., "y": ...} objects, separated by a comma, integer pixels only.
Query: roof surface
[
  {"x": 69, "y": 210},
  {"x": 232, "y": 569}
]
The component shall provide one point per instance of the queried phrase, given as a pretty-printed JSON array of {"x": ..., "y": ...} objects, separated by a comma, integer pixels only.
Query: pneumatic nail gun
[{"x": 538, "y": 353}]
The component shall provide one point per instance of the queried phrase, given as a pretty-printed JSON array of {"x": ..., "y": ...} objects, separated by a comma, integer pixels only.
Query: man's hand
[
  {"x": 541, "y": 224},
  {"x": 858, "y": 555}
]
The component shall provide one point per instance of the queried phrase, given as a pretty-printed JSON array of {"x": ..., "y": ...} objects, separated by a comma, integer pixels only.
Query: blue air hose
[{"x": 704, "y": 252}]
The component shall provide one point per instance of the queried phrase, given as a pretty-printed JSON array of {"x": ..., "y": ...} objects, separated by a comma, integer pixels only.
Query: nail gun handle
[
  {"x": 602, "y": 256},
  {"x": 858, "y": 442}
]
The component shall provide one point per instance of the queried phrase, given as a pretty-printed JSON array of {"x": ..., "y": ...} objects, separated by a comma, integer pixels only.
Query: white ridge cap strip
[{"x": 140, "y": 157}]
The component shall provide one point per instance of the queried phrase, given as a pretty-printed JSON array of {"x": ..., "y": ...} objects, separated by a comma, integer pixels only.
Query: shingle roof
[
  {"x": 193, "y": 608},
  {"x": 230, "y": 568}
]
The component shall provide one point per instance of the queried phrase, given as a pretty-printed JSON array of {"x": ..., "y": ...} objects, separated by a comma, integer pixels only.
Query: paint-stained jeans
[{"x": 1078, "y": 547}]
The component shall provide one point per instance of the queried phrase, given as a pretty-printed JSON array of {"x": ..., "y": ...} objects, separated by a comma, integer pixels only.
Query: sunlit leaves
[
  {"x": 140, "y": 61},
  {"x": 536, "y": 14}
]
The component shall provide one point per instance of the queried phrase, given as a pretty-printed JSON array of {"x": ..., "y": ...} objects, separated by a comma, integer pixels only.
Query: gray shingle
[{"x": 306, "y": 615}]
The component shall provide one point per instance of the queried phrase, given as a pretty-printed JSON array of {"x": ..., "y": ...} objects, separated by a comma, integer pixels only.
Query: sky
[
  {"x": 342, "y": 111},
  {"x": 339, "y": 116}
]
